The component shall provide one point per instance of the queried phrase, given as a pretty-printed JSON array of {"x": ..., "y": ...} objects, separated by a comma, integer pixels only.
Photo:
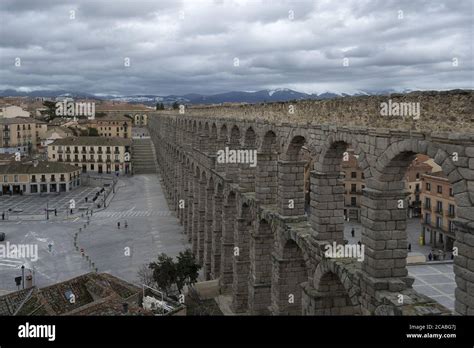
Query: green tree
[
  {"x": 93, "y": 132},
  {"x": 187, "y": 269},
  {"x": 164, "y": 272},
  {"x": 175, "y": 105},
  {"x": 50, "y": 112}
]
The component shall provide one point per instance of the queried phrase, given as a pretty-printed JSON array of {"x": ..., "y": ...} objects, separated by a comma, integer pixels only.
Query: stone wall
[{"x": 280, "y": 267}]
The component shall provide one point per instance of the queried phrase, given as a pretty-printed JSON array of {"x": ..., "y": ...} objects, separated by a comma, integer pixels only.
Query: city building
[
  {"x": 12, "y": 111},
  {"x": 21, "y": 134},
  {"x": 37, "y": 177},
  {"x": 54, "y": 133},
  {"x": 93, "y": 293},
  {"x": 110, "y": 125},
  {"x": 140, "y": 120},
  {"x": 93, "y": 154},
  {"x": 354, "y": 184},
  {"x": 420, "y": 165},
  {"x": 438, "y": 211}
]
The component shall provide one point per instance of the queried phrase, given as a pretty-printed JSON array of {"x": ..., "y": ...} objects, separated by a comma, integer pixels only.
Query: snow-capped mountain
[{"x": 262, "y": 96}]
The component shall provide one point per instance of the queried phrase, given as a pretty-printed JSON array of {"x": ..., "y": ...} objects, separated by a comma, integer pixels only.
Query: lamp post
[{"x": 23, "y": 276}]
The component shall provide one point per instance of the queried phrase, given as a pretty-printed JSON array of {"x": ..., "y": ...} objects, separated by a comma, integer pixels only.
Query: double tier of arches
[{"x": 248, "y": 227}]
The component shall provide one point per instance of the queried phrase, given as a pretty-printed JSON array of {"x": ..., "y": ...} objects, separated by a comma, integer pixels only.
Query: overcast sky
[{"x": 213, "y": 46}]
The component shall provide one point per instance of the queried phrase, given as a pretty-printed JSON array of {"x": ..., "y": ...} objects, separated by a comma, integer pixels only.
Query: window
[
  {"x": 451, "y": 194},
  {"x": 439, "y": 222},
  {"x": 428, "y": 186},
  {"x": 353, "y": 188},
  {"x": 440, "y": 189},
  {"x": 451, "y": 226},
  {"x": 353, "y": 201},
  {"x": 353, "y": 175},
  {"x": 439, "y": 207},
  {"x": 15, "y": 178},
  {"x": 417, "y": 188},
  {"x": 427, "y": 218},
  {"x": 5, "y": 178},
  {"x": 417, "y": 175},
  {"x": 451, "y": 209},
  {"x": 362, "y": 175},
  {"x": 427, "y": 203}
]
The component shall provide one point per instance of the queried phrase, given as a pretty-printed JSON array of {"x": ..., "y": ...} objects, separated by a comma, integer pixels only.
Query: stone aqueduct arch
[{"x": 280, "y": 267}]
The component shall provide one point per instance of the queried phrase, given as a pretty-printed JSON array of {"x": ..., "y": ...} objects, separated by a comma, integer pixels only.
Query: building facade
[
  {"x": 438, "y": 211},
  {"x": 38, "y": 177},
  {"x": 93, "y": 154},
  {"x": 21, "y": 134},
  {"x": 354, "y": 184},
  {"x": 111, "y": 126},
  {"x": 12, "y": 111},
  {"x": 415, "y": 171}
]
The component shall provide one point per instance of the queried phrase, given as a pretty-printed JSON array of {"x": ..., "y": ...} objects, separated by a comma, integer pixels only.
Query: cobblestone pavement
[
  {"x": 435, "y": 280},
  {"x": 152, "y": 229},
  {"x": 36, "y": 204},
  {"x": 432, "y": 279}
]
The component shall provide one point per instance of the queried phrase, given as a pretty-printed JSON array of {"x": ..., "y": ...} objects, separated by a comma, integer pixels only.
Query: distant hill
[{"x": 266, "y": 95}]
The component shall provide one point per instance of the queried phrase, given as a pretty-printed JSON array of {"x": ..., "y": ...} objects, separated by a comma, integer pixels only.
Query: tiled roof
[
  {"x": 20, "y": 120},
  {"x": 95, "y": 294},
  {"x": 92, "y": 141},
  {"x": 42, "y": 167}
]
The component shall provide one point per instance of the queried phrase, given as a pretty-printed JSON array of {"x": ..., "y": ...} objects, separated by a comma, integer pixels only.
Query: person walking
[
  {"x": 352, "y": 232},
  {"x": 55, "y": 212},
  {"x": 118, "y": 225},
  {"x": 409, "y": 247},
  {"x": 430, "y": 256}
]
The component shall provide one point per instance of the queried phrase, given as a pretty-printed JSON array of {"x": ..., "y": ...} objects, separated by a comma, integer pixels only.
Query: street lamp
[{"x": 23, "y": 276}]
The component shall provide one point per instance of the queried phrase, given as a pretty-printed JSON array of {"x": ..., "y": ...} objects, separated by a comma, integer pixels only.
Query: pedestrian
[
  {"x": 452, "y": 256},
  {"x": 91, "y": 212},
  {"x": 86, "y": 199},
  {"x": 430, "y": 256},
  {"x": 55, "y": 212},
  {"x": 3, "y": 216},
  {"x": 126, "y": 224},
  {"x": 409, "y": 247},
  {"x": 352, "y": 232},
  {"x": 359, "y": 243},
  {"x": 118, "y": 225},
  {"x": 71, "y": 211}
]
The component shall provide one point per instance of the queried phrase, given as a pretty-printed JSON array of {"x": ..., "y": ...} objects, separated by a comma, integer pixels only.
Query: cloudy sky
[{"x": 213, "y": 46}]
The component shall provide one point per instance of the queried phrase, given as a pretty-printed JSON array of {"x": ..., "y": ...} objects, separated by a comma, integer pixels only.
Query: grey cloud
[{"x": 189, "y": 46}]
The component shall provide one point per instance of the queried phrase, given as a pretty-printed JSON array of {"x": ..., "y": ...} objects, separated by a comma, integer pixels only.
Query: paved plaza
[
  {"x": 36, "y": 204},
  {"x": 151, "y": 230}
]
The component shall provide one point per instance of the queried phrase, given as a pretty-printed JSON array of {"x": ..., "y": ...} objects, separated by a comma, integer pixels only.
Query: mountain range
[{"x": 266, "y": 95}]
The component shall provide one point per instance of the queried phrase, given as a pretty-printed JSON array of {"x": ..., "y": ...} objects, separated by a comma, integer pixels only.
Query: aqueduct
[{"x": 248, "y": 226}]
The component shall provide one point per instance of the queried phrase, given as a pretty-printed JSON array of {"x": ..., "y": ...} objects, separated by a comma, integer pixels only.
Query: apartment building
[
  {"x": 438, "y": 211},
  {"x": 420, "y": 165},
  {"x": 111, "y": 126},
  {"x": 93, "y": 154},
  {"x": 21, "y": 134},
  {"x": 354, "y": 183},
  {"x": 37, "y": 177}
]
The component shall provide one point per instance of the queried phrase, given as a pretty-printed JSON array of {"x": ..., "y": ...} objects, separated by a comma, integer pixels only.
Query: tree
[
  {"x": 160, "y": 106},
  {"x": 145, "y": 275},
  {"x": 168, "y": 274},
  {"x": 175, "y": 105},
  {"x": 93, "y": 132},
  {"x": 50, "y": 112},
  {"x": 187, "y": 269},
  {"x": 164, "y": 272}
]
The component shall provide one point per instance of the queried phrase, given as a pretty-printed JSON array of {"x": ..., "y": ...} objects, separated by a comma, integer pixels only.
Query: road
[{"x": 152, "y": 229}]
